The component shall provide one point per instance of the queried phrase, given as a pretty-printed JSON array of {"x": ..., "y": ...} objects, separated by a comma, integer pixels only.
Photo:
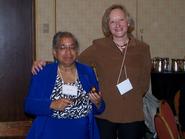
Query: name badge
[
  {"x": 69, "y": 90},
  {"x": 124, "y": 86}
]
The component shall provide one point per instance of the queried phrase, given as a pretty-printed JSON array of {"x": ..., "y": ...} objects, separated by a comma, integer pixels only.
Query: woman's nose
[
  {"x": 117, "y": 24},
  {"x": 68, "y": 50}
]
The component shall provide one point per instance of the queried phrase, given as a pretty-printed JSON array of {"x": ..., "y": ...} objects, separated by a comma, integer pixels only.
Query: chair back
[
  {"x": 162, "y": 128},
  {"x": 166, "y": 112}
]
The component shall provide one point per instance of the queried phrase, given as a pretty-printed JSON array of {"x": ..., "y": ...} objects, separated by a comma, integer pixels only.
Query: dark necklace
[{"x": 121, "y": 46}]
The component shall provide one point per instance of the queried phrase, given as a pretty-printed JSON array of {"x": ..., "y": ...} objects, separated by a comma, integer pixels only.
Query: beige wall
[
  {"x": 158, "y": 22},
  {"x": 84, "y": 18},
  {"x": 162, "y": 22},
  {"x": 45, "y": 28}
]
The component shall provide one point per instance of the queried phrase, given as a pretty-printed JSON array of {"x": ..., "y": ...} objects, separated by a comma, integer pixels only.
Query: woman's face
[
  {"x": 66, "y": 52},
  {"x": 118, "y": 23}
]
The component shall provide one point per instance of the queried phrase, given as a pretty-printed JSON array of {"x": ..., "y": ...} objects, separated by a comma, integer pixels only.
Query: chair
[
  {"x": 162, "y": 128},
  {"x": 167, "y": 120},
  {"x": 166, "y": 112},
  {"x": 14, "y": 129}
]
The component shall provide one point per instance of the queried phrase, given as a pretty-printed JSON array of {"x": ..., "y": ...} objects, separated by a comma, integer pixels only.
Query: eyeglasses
[{"x": 65, "y": 47}]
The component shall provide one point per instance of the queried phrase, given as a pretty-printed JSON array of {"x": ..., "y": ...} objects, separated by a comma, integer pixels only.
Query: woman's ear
[{"x": 54, "y": 53}]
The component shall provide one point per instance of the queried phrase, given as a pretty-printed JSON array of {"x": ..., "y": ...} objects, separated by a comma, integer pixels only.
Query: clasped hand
[
  {"x": 95, "y": 98},
  {"x": 62, "y": 103}
]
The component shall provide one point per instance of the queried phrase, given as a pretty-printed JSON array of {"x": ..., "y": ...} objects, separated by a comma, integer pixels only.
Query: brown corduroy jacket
[{"x": 106, "y": 58}]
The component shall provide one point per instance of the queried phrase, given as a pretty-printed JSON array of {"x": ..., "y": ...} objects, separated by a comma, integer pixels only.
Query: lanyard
[{"x": 122, "y": 65}]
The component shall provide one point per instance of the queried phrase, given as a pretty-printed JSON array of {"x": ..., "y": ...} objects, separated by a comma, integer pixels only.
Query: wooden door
[{"x": 16, "y": 56}]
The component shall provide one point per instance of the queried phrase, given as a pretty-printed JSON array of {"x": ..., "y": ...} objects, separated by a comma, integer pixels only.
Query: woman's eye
[
  {"x": 111, "y": 22},
  {"x": 61, "y": 48}
]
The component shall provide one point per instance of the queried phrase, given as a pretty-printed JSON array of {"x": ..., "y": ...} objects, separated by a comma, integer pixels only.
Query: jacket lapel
[{"x": 83, "y": 77}]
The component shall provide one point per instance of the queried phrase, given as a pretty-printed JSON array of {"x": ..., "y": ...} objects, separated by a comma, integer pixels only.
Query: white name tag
[
  {"x": 124, "y": 86},
  {"x": 69, "y": 90}
]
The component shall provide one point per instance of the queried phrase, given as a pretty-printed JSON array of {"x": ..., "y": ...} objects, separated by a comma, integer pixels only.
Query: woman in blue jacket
[{"x": 62, "y": 96}]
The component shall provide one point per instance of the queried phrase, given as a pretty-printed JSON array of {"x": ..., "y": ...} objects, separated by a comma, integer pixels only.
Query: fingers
[
  {"x": 60, "y": 104},
  {"x": 37, "y": 66},
  {"x": 34, "y": 70},
  {"x": 64, "y": 103},
  {"x": 42, "y": 63},
  {"x": 67, "y": 102},
  {"x": 95, "y": 98}
]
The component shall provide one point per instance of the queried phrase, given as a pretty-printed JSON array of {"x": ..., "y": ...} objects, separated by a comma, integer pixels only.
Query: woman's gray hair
[
  {"x": 59, "y": 35},
  {"x": 105, "y": 19}
]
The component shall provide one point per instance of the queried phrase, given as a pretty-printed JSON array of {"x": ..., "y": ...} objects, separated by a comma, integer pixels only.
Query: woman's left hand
[{"x": 95, "y": 98}]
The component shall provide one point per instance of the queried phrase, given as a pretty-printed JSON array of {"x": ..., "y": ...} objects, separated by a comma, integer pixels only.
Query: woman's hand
[
  {"x": 95, "y": 98},
  {"x": 37, "y": 66},
  {"x": 60, "y": 104}
]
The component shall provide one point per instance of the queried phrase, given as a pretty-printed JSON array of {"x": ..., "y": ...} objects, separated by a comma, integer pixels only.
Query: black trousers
[{"x": 110, "y": 130}]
